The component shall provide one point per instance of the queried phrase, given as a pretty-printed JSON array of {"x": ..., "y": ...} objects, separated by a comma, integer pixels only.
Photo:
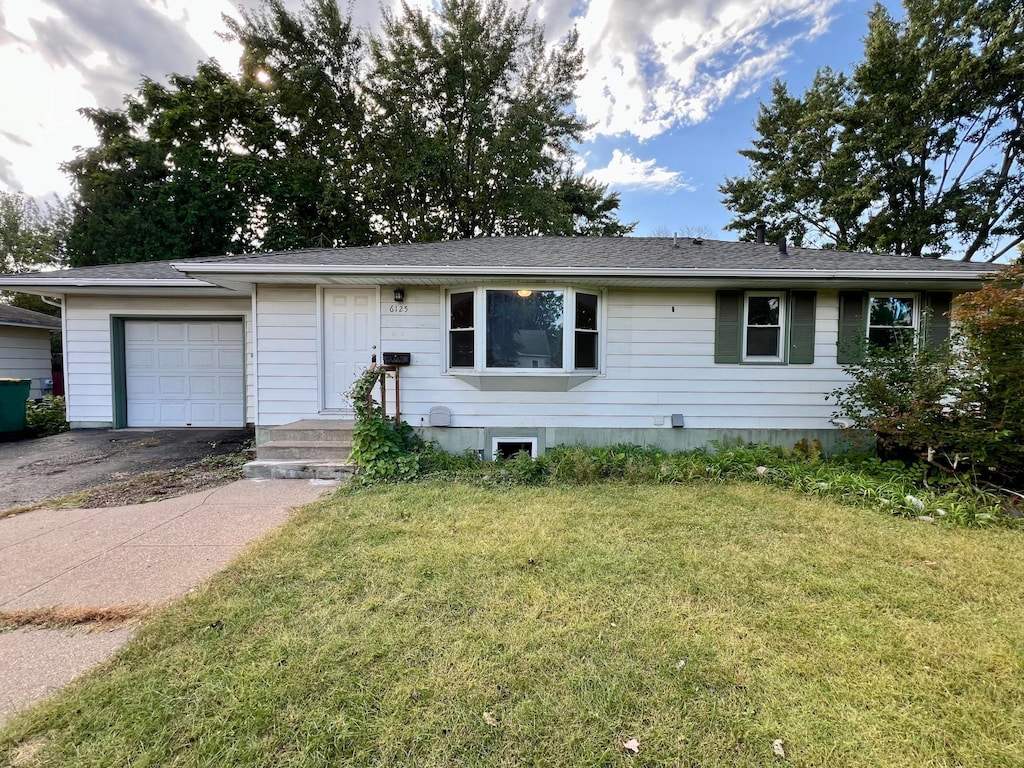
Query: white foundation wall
[
  {"x": 25, "y": 354},
  {"x": 88, "y": 357}
]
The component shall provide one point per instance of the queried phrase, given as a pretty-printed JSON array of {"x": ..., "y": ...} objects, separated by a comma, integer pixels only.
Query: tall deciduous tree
[
  {"x": 454, "y": 124},
  {"x": 177, "y": 173},
  {"x": 472, "y": 125},
  {"x": 31, "y": 237},
  {"x": 804, "y": 182},
  {"x": 309, "y": 66},
  {"x": 931, "y": 126}
]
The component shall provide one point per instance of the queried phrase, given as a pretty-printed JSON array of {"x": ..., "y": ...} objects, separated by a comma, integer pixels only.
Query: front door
[{"x": 350, "y": 340}]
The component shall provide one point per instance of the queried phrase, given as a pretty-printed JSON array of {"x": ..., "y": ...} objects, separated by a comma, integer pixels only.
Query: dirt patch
[
  {"x": 93, "y": 619},
  {"x": 166, "y": 484},
  {"x": 104, "y": 467}
]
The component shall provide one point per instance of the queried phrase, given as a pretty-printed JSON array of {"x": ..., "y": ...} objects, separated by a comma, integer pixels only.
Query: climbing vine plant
[{"x": 381, "y": 449}]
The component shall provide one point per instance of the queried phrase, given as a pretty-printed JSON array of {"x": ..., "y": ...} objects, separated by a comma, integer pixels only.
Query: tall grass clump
[{"x": 856, "y": 479}]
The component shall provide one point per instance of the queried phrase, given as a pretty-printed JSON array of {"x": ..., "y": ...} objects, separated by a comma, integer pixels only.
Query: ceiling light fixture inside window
[{"x": 524, "y": 293}]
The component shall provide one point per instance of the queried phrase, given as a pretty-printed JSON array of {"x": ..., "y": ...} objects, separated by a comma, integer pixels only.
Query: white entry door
[{"x": 351, "y": 328}]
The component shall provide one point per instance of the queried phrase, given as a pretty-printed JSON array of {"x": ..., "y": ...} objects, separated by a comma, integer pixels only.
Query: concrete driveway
[
  {"x": 35, "y": 470},
  {"x": 142, "y": 555}
]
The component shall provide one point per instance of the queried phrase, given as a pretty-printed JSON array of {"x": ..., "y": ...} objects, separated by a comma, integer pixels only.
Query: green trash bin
[{"x": 13, "y": 394}]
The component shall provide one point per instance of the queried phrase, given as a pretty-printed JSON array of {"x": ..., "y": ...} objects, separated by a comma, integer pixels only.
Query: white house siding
[
  {"x": 659, "y": 360},
  {"x": 287, "y": 354},
  {"x": 88, "y": 362},
  {"x": 25, "y": 354}
]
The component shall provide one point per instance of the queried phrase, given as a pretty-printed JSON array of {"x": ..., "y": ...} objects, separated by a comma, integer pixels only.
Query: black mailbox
[{"x": 397, "y": 358}]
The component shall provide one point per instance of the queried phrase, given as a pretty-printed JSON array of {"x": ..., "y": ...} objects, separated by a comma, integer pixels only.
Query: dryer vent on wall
[{"x": 440, "y": 416}]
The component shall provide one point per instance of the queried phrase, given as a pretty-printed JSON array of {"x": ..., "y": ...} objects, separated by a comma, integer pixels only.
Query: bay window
[{"x": 548, "y": 329}]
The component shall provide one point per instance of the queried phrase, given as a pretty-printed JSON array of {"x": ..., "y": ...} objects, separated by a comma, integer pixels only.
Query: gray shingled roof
[
  {"x": 632, "y": 255},
  {"x": 27, "y": 318}
]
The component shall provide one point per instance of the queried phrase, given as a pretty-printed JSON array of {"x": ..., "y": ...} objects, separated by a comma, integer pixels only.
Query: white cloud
[
  {"x": 655, "y": 64},
  {"x": 625, "y": 171},
  {"x": 63, "y": 55}
]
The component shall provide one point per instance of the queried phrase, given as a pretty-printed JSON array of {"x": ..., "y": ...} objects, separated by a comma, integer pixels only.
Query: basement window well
[{"x": 510, "y": 447}]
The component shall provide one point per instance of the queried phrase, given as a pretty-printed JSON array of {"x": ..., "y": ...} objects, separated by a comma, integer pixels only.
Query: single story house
[
  {"x": 25, "y": 351},
  {"x": 524, "y": 342}
]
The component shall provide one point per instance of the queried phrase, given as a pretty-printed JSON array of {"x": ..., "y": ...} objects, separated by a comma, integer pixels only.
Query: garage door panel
[
  {"x": 140, "y": 357},
  {"x": 202, "y": 358},
  {"x": 139, "y": 332},
  {"x": 184, "y": 373},
  {"x": 173, "y": 386},
  {"x": 142, "y": 385},
  {"x": 204, "y": 386},
  {"x": 170, "y": 359},
  {"x": 203, "y": 332},
  {"x": 229, "y": 359},
  {"x": 168, "y": 331},
  {"x": 229, "y": 332}
]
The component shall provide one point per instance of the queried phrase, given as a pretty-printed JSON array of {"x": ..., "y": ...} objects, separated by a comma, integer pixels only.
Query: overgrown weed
[{"x": 855, "y": 478}]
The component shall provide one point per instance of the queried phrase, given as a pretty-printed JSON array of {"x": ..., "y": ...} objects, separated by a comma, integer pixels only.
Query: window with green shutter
[
  {"x": 764, "y": 327},
  {"x": 852, "y": 327},
  {"x": 882, "y": 318},
  {"x": 728, "y": 326},
  {"x": 936, "y": 321},
  {"x": 802, "y": 308}
]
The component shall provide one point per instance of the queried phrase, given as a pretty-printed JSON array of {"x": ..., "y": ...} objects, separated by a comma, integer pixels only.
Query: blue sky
[{"x": 672, "y": 87}]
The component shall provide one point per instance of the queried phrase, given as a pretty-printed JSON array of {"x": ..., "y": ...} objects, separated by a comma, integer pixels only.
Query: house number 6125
[{"x": 399, "y": 308}]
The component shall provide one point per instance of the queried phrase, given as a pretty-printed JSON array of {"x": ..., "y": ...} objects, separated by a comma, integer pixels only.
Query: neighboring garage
[{"x": 184, "y": 373}]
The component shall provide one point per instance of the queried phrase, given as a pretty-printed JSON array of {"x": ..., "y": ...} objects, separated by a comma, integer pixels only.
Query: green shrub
[
  {"x": 959, "y": 409},
  {"x": 381, "y": 449},
  {"x": 46, "y": 417}
]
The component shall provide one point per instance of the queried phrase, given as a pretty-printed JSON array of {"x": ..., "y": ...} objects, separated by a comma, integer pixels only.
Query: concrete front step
[
  {"x": 303, "y": 450},
  {"x": 312, "y": 431},
  {"x": 297, "y": 470}
]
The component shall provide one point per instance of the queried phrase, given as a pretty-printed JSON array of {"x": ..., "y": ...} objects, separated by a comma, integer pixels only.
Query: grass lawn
[{"x": 445, "y": 625}]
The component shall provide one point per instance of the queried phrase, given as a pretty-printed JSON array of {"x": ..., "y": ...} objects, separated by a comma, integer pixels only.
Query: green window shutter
[
  {"x": 801, "y": 326},
  {"x": 728, "y": 326},
  {"x": 852, "y": 327},
  {"x": 936, "y": 319}
]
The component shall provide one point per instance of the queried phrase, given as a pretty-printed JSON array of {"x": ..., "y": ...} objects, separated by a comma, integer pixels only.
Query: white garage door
[{"x": 185, "y": 373}]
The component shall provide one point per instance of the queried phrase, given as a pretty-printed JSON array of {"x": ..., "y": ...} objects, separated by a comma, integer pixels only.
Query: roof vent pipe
[
  {"x": 675, "y": 242},
  {"x": 759, "y": 232},
  {"x": 782, "y": 247}
]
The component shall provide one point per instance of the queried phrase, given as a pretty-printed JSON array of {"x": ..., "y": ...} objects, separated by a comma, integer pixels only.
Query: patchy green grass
[{"x": 445, "y": 625}]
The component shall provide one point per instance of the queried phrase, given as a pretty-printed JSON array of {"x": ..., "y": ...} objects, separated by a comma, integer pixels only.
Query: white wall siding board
[
  {"x": 25, "y": 354},
  {"x": 288, "y": 354},
  {"x": 659, "y": 359},
  {"x": 88, "y": 358}
]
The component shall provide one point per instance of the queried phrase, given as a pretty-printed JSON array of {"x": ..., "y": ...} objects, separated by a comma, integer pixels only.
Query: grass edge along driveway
[{"x": 447, "y": 625}]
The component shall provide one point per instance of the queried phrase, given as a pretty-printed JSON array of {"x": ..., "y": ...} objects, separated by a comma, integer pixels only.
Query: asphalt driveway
[{"x": 34, "y": 470}]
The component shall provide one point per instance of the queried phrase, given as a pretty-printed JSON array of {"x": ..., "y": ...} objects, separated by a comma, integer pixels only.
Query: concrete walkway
[{"x": 98, "y": 558}]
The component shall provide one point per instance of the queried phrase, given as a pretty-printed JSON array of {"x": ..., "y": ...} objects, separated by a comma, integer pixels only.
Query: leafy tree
[
  {"x": 177, "y": 173},
  {"x": 455, "y": 124},
  {"x": 472, "y": 128},
  {"x": 804, "y": 183},
  {"x": 960, "y": 406},
  {"x": 31, "y": 237},
  {"x": 309, "y": 66},
  {"x": 922, "y": 144}
]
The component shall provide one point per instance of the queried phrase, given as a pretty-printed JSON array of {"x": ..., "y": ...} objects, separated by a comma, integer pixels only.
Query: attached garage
[{"x": 184, "y": 373}]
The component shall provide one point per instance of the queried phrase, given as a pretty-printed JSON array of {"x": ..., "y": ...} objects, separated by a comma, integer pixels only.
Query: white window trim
[
  {"x": 480, "y": 367},
  {"x": 915, "y": 315},
  {"x": 532, "y": 441},
  {"x": 783, "y": 298}
]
